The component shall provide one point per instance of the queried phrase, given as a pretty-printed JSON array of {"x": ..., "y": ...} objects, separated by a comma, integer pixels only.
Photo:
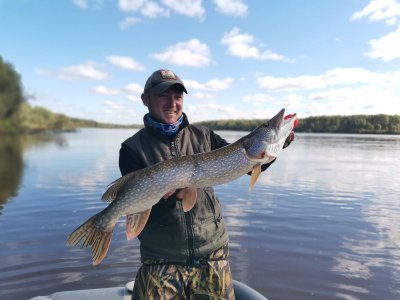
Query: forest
[{"x": 367, "y": 124}]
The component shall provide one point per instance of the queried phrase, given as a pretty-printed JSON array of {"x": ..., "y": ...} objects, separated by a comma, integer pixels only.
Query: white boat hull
[{"x": 242, "y": 292}]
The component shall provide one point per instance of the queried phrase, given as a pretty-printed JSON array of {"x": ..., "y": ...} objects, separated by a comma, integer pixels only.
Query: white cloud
[
  {"x": 257, "y": 99},
  {"x": 129, "y": 89},
  {"x": 133, "y": 88},
  {"x": 129, "y": 22},
  {"x": 153, "y": 10},
  {"x": 126, "y": 114},
  {"x": 191, "y": 53},
  {"x": 201, "y": 111},
  {"x": 114, "y": 105},
  {"x": 130, "y": 5},
  {"x": 88, "y": 4},
  {"x": 189, "y": 8},
  {"x": 201, "y": 96},
  {"x": 340, "y": 91},
  {"x": 134, "y": 98},
  {"x": 102, "y": 90},
  {"x": 241, "y": 45},
  {"x": 215, "y": 84},
  {"x": 80, "y": 3},
  {"x": 88, "y": 70},
  {"x": 125, "y": 62},
  {"x": 386, "y": 48},
  {"x": 335, "y": 77},
  {"x": 367, "y": 99},
  {"x": 149, "y": 9},
  {"x": 379, "y": 10},
  {"x": 234, "y": 8}
]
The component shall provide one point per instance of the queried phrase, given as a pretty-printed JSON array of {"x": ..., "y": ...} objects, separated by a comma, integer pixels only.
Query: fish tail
[{"x": 92, "y": 236}]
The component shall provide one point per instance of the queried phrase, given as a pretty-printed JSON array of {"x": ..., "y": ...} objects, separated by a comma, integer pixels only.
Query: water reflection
[
  {"x": 322, "y": 223},
  {"x": 12, "y": 150},
  {"x": 331, "y": 199},
  {"x": 11, "y": 167}
]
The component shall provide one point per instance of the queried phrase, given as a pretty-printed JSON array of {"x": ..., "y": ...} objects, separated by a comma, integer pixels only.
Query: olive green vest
[{"x": 170, "y": 234}]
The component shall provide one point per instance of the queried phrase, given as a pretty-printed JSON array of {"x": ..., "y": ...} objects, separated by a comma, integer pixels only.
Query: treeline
[
  {"x": 29, "y": 119},
  {"x": 376, "y": 124},
  {"x": 373, "y": 124},
  {"x": 85, "y": 123}
]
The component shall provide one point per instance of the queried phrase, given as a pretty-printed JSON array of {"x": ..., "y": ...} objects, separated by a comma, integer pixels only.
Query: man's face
[{"x": 166, "y": 107}]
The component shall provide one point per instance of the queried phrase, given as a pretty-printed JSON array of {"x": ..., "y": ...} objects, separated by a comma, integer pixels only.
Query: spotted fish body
[{"x": 134, "y": 194}]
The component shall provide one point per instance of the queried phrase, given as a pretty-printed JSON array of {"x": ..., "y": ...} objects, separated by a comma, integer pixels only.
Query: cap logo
[{"x": 167, "y": 74}]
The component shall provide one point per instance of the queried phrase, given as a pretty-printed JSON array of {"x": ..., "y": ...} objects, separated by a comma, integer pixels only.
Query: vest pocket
[{"x": 209, "y": 228}]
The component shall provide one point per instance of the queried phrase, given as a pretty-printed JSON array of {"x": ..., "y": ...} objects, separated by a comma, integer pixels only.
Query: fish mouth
[
  {"x": 290, "y": 119},
  {"x": 281, "y": 123}
]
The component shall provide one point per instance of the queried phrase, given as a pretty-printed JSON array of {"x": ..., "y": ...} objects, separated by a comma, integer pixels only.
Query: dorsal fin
[{"x": 114, "y": 187}]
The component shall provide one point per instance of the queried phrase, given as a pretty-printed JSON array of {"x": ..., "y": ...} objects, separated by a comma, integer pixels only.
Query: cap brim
[{"x": 163, "y": 86}]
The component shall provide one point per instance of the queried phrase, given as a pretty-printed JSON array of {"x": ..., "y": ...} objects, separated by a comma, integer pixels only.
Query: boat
[{"x": 242, "y": 292}]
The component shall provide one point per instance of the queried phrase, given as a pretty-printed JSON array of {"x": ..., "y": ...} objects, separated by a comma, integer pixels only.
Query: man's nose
[{"x": 170, "y": 101}]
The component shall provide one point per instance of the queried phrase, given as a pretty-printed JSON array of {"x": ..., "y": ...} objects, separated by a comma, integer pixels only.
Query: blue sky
[{"x": 238, "y": 58}]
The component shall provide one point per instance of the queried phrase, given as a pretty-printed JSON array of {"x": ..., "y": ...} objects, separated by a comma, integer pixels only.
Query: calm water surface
[{"x": 323, "y": 222}]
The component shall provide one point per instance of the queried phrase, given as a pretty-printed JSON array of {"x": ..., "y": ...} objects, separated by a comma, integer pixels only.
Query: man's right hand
[{"x": 179, "y": 193}]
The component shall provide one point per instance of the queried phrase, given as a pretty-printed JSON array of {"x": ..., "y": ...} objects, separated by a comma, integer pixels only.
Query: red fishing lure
[{"x": 295, "y": 122}]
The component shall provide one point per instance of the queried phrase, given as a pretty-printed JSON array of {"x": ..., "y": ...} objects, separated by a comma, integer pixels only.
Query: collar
[{"x": 168, "y": 130}]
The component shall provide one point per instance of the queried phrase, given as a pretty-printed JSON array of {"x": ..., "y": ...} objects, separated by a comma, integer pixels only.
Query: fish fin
[
  {"x": 114, "y": 187},
  {"x": 92, "y": 236},
  {"x": 189, "y": 199},
  {"x": 254, "y": 175},
  {"x": 135, "y": 223}
]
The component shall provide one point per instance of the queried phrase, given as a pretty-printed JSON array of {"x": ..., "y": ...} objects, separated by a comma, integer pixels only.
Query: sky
[{"x": 237, "y": 58}]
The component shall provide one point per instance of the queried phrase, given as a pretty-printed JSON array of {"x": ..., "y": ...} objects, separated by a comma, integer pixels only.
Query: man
[{"x": 184, "y": 255}]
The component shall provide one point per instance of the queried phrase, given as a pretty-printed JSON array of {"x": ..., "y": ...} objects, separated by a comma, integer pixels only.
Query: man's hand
[
  {"x": 289, "y": 139},
  {"x": 179, "y": 193}
]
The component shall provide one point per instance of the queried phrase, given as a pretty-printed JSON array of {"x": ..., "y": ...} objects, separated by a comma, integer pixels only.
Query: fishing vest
[{"x": 171, "y": 235}]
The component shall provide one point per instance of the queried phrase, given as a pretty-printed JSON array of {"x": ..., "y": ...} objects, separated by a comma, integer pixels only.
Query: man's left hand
[{"x": 289, "y": 139}]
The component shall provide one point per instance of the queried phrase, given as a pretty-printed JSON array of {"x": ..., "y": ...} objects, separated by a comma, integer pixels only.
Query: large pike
[{"x": 134, "y": 194}]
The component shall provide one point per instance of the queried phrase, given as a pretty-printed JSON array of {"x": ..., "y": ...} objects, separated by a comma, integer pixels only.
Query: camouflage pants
[{"x": 206, "y": 279}]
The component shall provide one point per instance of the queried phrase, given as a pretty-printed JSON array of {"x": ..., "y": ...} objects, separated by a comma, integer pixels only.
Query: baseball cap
[{"x": 161, "y": 80}]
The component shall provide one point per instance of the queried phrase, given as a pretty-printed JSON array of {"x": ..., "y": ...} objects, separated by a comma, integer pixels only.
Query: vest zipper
[
  {"x": 188, "y": 217},
  {"x": 174, "y": 151}
]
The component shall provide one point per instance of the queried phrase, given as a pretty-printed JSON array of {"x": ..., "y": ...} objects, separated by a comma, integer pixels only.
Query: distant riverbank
[
  {"x": 31, "y": 120},
  {"x": 366, "y": 124}
]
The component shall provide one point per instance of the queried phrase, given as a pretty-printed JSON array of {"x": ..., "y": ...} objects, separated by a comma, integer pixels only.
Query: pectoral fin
[
  {"x": 135, "y": 223},
  {"x": 254, "y": 175},
  {"x": 189, "y": 199}
]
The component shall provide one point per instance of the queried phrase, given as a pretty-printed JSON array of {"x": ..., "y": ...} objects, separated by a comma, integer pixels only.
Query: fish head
[{"x": 265, "y": 142}]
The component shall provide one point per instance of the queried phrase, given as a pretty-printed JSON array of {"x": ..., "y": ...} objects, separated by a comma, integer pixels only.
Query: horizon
[{"x": 238, "y": 59}]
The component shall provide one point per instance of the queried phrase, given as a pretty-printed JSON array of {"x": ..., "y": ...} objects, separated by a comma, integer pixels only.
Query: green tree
[{"x": 11, "y": 94}]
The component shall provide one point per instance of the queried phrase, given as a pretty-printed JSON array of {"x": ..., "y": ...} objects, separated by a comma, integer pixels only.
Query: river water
[{"x": 323, "y": 222}]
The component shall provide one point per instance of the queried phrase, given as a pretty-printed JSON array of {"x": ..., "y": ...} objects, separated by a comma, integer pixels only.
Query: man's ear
[{"x": 145, "y": 99}]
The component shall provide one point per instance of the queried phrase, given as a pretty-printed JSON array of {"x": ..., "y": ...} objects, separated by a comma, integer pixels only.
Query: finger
[
  {"x": 291, "y": 136},
  {"x": 180, "y": 193},
  {"x": 169, "y": 194}
]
